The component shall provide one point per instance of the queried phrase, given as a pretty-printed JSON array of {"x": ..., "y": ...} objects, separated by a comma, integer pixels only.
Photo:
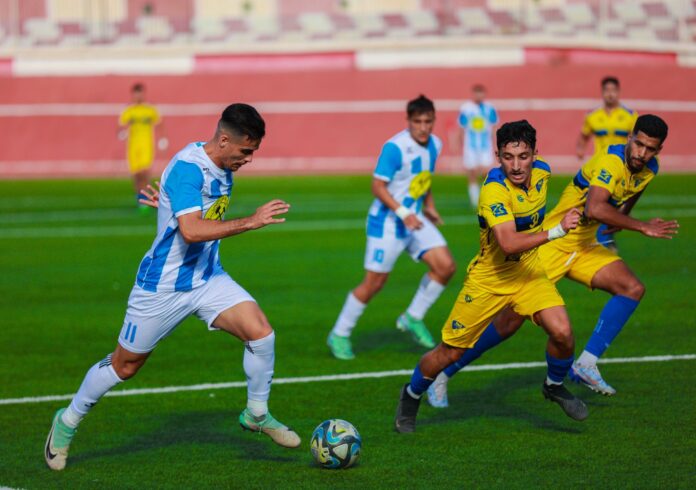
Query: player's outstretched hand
[
  {"x": 571, "y": 219},
  {"x": 151, "y": 195},
  {"x": 433, "y": 216},
  {"x": 412, "y": 222},
  {"x": 659, "y": 228},
  {"x": 266, "y": 214}
]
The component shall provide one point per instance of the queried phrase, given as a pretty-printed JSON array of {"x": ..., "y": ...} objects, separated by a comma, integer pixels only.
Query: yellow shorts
[
  {"x": 580, "y": 266},
  {"x": 139, "y": 158},
  {"x": 475, "y": 308}
]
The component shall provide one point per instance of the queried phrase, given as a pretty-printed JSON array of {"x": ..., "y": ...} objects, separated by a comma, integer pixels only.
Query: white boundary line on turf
[{"x": 335, "y": 377}]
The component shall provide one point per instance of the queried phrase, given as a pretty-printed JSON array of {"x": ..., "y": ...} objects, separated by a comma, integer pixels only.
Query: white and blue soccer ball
[{"x": 336, "y": 444}]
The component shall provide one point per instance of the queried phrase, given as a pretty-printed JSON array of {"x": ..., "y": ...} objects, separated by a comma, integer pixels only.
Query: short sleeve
[
  {"x": 183, "y": 186},
  {"x": 463, "y": 121},
  {"x": 586, "y": 126},
  {"x": 606, "y": 173},
  {"x": 493, "y": 115},
  {"x": 495, "y": 205},
  {"x": 389, "y": 162},
  {"x": 124, "y": 119}
]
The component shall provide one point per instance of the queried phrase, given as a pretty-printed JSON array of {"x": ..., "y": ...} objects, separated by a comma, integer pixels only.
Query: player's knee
[
  {"x": 634, "y": 289},
  {"x": 447, "y": 269},
  {"x": 563, "y": 339}
]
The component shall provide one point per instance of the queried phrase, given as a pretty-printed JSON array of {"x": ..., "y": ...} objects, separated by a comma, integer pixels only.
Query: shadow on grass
[
  {"x": 193, "y": 429},
  {"x": 492, "y": 400}
]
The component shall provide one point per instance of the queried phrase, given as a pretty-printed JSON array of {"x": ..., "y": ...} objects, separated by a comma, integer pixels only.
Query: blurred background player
[
  {"x": 506, "y": 274},
  {"x": 477, "y": 120},
  {"x": 606, "y": 188},
  {"x": 139, "y": 120},
  {"x": 402, "y": 218},
  {"x": 609, "y": 125}
]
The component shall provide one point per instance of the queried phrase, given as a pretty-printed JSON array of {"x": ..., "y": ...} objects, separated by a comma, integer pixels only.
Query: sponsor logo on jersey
[
  {"x": 420, "y": 185},
  {"x": 456, "y": 325},
  {"x": 498, "y": 209},
  {"x": 218, "y": 209}
]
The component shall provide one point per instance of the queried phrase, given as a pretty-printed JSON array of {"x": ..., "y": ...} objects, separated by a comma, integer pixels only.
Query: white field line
[
  {"x": 335, "y": 107},
  {"x": 290, "y": 226},
  {"x": 335, "y": 377}
]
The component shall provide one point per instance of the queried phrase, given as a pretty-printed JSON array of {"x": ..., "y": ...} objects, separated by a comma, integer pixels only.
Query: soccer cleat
[
  {"x": 281, "y": 434},
  {"x": 419, "y": 332},
  {"x": 573, "y": 406},
  {"x": 406, "y": 412},
  {"x": 437, "y": 392},
  {"x": 590, "y": 377},
  {"x": 340, "y": 347},
  {"x": 58, "y": 442}
]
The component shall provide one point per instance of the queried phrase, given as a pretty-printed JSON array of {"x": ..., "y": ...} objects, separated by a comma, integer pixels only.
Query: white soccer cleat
[
  {"x": 58, "y": 443},
  {"x": 590, "y": 377},
  {"x": 437, "y": 392}
]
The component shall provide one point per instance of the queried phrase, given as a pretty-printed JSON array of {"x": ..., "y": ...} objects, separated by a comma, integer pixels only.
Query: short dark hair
[
  {"x": 516, "y": 132},
  {"x": 651, "y": 125},
  {"x": 419, "y": 105},
  {"x": 607, "y": 80},
  {"x": 478, "y": 87},
  {"x": 243, "y": 120},
  {"x": 137, "y": 87}
]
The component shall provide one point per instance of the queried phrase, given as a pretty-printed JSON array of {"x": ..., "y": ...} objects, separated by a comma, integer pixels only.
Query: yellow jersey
[
  {"x": 141, "y": 120},
  {"x": 503, "y": 201},
  {"x": 608, "y": 171},
  {"x": 609, "y": 128}
]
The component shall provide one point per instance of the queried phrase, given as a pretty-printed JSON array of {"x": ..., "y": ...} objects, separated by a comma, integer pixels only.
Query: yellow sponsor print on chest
[
  {"x": 478, "y": 123},
  {"x": 420, "y": 185},
  {"x": 218, "y": 209}
]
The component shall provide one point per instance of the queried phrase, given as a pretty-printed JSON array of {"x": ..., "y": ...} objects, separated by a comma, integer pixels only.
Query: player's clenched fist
[
  {"x": 659, "y": 228},
  {"x": 412, "y": 222},
  {"x": 571, "y": 219},
  {"x": 265, "y": 215}
]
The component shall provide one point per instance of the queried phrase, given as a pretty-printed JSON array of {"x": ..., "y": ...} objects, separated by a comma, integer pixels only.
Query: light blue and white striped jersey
[
  {"x": 190, "y": 183},
  {"x": 477, "y": 121},
  {"x": 408, "y": 167}
]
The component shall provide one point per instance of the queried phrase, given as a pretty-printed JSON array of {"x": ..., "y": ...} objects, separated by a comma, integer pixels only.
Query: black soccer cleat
[
  {"x": 573, "y": 406},
  {"x": 406, "y": 412}
]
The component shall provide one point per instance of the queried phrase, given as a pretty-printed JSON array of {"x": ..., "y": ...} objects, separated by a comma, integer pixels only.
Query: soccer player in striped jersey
[
  {"x": 606, "y": 188},
  {"x": 181, "y": 275},
  {"x": 402, "y": 218},
  {"x": 506, "y": 274}
]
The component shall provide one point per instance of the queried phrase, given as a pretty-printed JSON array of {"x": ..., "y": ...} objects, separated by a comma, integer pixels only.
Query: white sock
[
  {"x": 99, "y": 379},
  {"x": 549, "y": 381},
  {"x": 587, "y": 359},
  {"x": 474, "y": 194},
  {"x": 427, "y": 293},
  {"x": 259, "y": 358},
  {"x": 352, "y": 310}
]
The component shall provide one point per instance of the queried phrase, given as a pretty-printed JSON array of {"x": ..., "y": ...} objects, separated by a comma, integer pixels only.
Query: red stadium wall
[{"x": 324, "y": 114}]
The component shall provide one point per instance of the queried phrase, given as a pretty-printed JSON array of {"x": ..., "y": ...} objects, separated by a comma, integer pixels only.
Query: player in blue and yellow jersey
[
  {"x": 608, "y": 125},
  {"x": 139, "y": 120},
  {"x": 506, "y": 274},
  {"x": 402, "y": 218},
  {"x": 606, "y": 188}
]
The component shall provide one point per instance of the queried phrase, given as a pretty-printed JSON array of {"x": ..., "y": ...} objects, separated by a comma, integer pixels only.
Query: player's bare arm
[
  {"x": 196, "y": 229},
  {"x": 581, "y": 145},
  {"x": 598, "y": 208},
  {"x": 626, "y": 209},
  {"x": 430, "y": 211},
  {"x": 511, "y": 242},
  {"x": 380, "y": 191}
]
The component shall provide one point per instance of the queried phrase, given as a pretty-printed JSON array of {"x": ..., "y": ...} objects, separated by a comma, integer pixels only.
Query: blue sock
[
  {"x": 140, "y": 196},
  {"x": 558, "y": 368},
  {"x": 614, "y": 316},
  {"x": 489, "y": 339},
  {"x": 419, "y": 383}
]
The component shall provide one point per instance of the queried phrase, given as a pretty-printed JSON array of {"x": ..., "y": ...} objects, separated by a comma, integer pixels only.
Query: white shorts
[
  {"x": 477, "y": 158},
  {"x": 150, "y": 317},
  {"x": 381, "y": 253}
]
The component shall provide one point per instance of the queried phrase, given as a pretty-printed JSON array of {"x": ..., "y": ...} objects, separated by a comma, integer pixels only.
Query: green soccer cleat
[
  {"x": 419, "y": 332},
  {"x": 58, "y": 442},
  {"x": 340, "y": 347},
  {"x": 281, "y": 434}
]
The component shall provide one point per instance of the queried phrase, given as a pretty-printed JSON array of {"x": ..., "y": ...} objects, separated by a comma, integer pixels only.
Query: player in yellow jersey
[
  {"x": 139, "y": 120},
  {"x": 506, "y": 274},
  {"x": 606, "y": 188}
]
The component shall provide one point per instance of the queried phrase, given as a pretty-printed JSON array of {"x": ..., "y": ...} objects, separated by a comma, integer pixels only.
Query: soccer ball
[{"x": 335, "y": 444}]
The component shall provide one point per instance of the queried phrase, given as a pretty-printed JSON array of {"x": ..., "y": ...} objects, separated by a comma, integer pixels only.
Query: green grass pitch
[{"x": 69, "y": 251}]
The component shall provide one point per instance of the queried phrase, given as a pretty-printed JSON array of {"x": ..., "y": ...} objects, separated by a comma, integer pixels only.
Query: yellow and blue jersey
[
  {"x": 608, "y": 171},
  {"x": 502, "y": 201},
  {"x": 610, "y": 128}
]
